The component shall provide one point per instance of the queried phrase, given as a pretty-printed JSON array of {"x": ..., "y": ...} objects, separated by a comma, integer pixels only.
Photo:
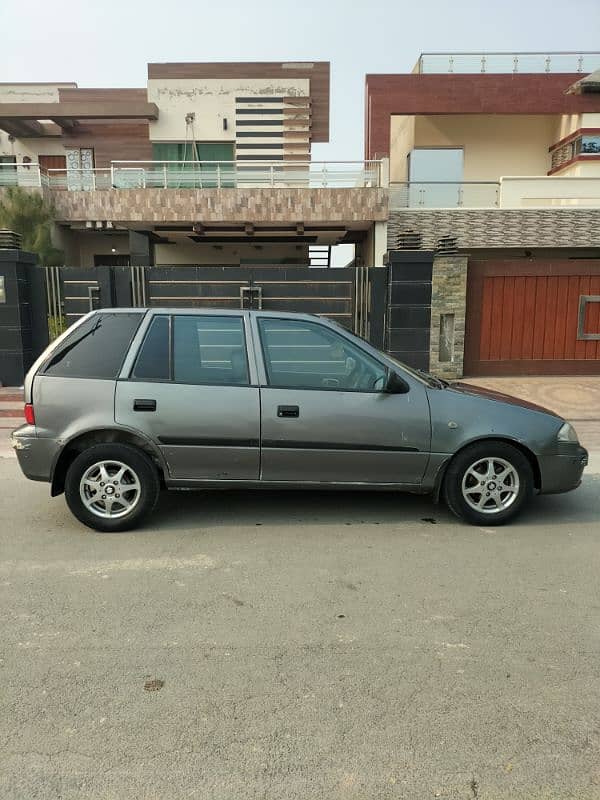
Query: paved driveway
[{"x": 299, "y": 646}]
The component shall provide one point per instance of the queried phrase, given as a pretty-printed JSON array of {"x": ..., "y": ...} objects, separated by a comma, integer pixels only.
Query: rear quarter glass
[{"x": 96, "y": 349}]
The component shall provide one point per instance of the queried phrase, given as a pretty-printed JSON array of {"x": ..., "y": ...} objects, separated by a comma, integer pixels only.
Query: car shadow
[{"x": 180, "y": 510}]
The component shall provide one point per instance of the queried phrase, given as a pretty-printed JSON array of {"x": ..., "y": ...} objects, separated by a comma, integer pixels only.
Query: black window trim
[
  {"x": 133, "y": 378},
  {"x": 171, "y": 380},
  {"x": 269, "y": 385}
]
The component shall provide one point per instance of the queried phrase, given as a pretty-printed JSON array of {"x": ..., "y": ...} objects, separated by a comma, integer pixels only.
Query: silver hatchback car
[{"x": 129, "y": 401}]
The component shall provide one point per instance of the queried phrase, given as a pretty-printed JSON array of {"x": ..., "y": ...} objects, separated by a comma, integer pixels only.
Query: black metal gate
[{"x": 352, "y": 296}]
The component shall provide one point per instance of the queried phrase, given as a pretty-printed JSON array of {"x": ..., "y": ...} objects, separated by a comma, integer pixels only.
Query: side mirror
[{"x": 394, "y": 384}]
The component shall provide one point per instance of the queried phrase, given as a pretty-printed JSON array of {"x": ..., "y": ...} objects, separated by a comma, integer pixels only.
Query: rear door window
[
  {"x": 96, "y": 349},
  {"x": 209, "y": 350}
]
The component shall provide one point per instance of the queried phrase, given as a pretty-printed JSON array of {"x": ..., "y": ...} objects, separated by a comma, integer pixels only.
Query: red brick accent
[{"x": 465, "y": 94}]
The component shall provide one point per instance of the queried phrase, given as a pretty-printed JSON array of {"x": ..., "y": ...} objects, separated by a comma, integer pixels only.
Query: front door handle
[
  {"x": 144, "y": 405},
  {"x": 288, "y": 411}
]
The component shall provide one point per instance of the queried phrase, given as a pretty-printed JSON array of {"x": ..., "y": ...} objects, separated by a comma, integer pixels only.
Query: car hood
[{"x": 500, "y": 397}]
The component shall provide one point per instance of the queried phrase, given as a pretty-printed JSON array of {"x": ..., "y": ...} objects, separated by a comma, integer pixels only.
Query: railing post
[
  {"x": 460, "y": 195},
  {"x": 324, "y": 171},
  {"x": 483, "y": 63},
  {"x": 164, "y": 175},
  {"x": 39, "y": 174},
  {"x": 272, "y": 174},
  {"x": 112, "y": 175},
  {"x": 515, "y": 63},
  {"x": 218, "y": 175},
  {"x": 547, "y": 62},
  {"x": 580, "y": 64}
]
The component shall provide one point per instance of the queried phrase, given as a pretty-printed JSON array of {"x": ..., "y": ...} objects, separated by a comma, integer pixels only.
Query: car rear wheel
[
  {"x": 111, "y": 487},
  {"x": 488, "y": 483}
]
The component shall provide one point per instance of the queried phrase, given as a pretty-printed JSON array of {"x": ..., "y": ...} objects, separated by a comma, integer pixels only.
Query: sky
[{"x": 109, "y": 43}]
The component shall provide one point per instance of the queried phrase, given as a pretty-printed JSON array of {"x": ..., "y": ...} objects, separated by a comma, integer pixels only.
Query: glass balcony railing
[
  {"x": 569, "y": 62},
  {"x": 199, "y": 175},
  {"x": 536, "y": 191},
  {"x": 440, "y": 194}
]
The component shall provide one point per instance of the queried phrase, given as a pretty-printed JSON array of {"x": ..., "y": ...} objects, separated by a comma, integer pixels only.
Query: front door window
[{"x": 306, "y": 355}]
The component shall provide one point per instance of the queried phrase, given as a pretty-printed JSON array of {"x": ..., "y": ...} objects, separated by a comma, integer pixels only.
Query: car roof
[{"x": 210, "y": 311}]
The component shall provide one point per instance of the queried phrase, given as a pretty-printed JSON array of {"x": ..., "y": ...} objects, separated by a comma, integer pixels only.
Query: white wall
[
  {"x": 494, "y": 145},
  {"x": 81, "y": 246},
  {"x": 31, "y": 148},
  {"x": 32, "y": 92},
  {"x": 211, "y": 100}
]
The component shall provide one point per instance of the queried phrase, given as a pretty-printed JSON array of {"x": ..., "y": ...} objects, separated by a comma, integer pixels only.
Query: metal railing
[
  {"x": 499, "y": 62},
  {"x": 245, "y": 174},
  {"x": 444, "y": 194},
  {"x": 197, "y": 175}
]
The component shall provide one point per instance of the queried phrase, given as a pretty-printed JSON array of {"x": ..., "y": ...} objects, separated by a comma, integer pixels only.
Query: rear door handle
[
  {"x": 288, "y": 411},
  {"x": 144, "y": 405}
]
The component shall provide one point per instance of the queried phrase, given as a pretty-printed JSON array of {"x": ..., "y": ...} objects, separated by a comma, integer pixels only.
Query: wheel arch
[
  {"x": 82, "y": 441},
  {"x": 529, "y": 454}
]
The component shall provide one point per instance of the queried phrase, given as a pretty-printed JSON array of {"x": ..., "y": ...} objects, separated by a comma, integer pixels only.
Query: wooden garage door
[{"x": 530, "y": 318}]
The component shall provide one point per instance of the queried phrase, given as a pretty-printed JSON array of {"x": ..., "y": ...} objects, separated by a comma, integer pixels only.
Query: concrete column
[
  {"x": 379, "y": 243},
  {"x": 448, "y": 307}
]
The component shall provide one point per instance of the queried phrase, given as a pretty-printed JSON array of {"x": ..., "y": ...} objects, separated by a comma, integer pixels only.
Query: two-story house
[
  {"x": 494, "y": 229},
  {"x": 207, "y": 164}
]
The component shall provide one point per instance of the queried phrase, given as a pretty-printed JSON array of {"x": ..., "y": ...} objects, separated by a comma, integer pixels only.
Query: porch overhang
[{"x": 25, "y": 119}]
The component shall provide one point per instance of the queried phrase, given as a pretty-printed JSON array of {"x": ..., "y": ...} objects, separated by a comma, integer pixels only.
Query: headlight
[{"x": 567, "y": 434}]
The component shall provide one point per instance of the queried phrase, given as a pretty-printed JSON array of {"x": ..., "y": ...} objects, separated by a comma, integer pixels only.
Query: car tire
[
  {"x": 112, "y": 487},
  {"x": 488, "y": 483}
]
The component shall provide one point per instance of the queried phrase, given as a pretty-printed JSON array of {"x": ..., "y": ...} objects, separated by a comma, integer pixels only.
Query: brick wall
[
  {"x": 473, "y": 228},
  {"x": 466, "y": 94}
]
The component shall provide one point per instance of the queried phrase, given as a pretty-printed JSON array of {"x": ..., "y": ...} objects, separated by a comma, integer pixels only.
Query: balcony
[
  {"x": 474, "y": 62},
  {"x": 152, "y": 193},
  {"x": 199, "y": 175},
  {"x": 508, "y": 192}
]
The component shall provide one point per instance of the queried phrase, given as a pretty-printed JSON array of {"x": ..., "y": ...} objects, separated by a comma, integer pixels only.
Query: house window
[
  {"x": 589, "y": 144},
  {"x": 435, "y": 175},
  {"x": 215, "y": 167},
  {"x": 586, "y": 145}
]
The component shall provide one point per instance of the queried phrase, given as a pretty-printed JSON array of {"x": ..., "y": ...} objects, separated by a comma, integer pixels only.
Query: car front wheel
[
  {"x": 111, "y": 487},
  {"x": 488, "y": 483}
]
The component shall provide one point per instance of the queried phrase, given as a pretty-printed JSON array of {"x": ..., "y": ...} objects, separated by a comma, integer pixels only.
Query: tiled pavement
[{"x": 576, "y": 399}]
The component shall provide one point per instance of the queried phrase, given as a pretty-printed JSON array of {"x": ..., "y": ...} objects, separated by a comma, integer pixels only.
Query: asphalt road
[{"x": 299, "y": 646}]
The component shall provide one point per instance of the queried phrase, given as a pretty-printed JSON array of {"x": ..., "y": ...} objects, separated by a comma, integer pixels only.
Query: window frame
[
  {"x": 267, "y": 384},
  {"x": 171, "y": 380}
]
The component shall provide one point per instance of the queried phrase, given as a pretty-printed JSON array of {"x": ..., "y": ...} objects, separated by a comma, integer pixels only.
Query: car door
[
  {"x": 324, "y": 418},
  {"x": 192, "y": 388}
]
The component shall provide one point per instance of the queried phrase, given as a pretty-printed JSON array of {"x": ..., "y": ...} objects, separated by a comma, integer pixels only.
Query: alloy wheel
[
  {"x": 110, "y": 489},
  {"x": 490, "y": 485}
]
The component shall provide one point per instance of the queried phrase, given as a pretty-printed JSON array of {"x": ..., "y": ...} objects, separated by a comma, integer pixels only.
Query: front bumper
[
  {"x": 562, "y": 472},
  {"x": 36, "y": 456}
]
